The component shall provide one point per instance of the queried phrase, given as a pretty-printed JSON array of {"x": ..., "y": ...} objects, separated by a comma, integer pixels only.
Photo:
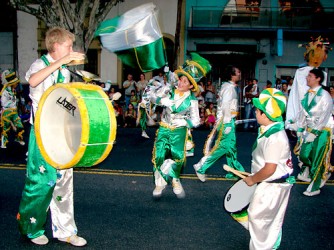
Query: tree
[{"x": 81, "y": 17}]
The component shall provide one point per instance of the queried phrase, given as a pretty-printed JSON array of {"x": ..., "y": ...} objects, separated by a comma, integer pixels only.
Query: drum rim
[
  {"x": 254, "y": 186},
  {"x": 81, "y": 150}
]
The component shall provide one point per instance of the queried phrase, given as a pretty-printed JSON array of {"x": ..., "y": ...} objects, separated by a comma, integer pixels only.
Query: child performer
[
  {"x": 45, "y": 186},
  {"x": 271, "y": 170},
  {"x": 180, "y": 114}
]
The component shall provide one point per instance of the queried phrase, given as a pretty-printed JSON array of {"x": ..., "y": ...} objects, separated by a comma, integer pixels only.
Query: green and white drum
[{"x": 75, "y": 125}]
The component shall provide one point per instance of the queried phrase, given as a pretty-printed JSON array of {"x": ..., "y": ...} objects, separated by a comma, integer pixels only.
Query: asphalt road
[{"x": 114, "y": 208}]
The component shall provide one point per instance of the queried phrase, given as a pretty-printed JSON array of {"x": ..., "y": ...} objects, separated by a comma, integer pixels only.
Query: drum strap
[{"x": 60, "y": 78}]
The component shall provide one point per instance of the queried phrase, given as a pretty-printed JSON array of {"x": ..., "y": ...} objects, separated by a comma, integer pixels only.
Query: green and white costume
[
  {"x": 179, "y": 115},
  {"x": 315, "y": 119},
  {"x": 45, "y": 187},
  {"x": 271, "y": 196},
  {"x": 225, "y": 143},
  {"x": 9, "y": 116}
]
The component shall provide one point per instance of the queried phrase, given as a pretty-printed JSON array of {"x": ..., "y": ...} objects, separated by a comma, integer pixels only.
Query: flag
[{"x": 135, "y": 37}]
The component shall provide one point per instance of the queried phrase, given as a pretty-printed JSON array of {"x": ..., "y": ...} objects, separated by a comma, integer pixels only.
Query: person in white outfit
[
  {"x": 272, "y": 172},
  {"x": 45, "y": 186}
]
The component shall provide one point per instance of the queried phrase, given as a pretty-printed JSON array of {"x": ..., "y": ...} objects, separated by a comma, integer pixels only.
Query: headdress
[{"x": 316, "y": 49}]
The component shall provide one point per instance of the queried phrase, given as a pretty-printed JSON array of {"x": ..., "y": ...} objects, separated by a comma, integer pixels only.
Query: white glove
[
  {"x": 227, "y": 130},
  {"x": 299, "y": 134},
  {"x": 166, "y": 69},
  {"x": 179, "y": 123},
  {"x": 310, "y": 137},
  {"x": 292, "y": 126}
]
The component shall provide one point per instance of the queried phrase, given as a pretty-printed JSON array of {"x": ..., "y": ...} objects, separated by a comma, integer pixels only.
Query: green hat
[
  {"x": 194, "y": 69},
  {"x": 272, "y": 102},
  {"x": 9, "y": 77}
]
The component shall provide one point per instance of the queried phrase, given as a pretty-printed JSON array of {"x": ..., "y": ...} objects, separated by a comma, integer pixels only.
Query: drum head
[{"x": 238, "y": 197}]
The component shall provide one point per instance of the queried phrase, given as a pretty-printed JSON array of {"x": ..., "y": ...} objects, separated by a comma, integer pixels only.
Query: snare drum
[
  {"x": 75, "y": 125},
  {"x": 238, "y": 197}
]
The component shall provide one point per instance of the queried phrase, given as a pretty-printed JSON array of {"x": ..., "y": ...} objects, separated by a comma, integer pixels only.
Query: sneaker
[
  {"x": 200, "y": 176},
  {"x": 316, "y": 192},
  {"x": 178, "y": 189},
  {"x": 74, "y": 240},
  {"x": 41, "y": 240},
  {"x": 157, "y": 192},
  {"x": 143, "y": 134},
  {"x": 22, "y": 143},
  {"x": 189, "y": 154},
  {"x": 3, "y": 145},
  {"x": 323, "y": 182},
  {"x": 303, "y": 178}
]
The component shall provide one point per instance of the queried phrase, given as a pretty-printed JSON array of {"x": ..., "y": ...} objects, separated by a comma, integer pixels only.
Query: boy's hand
[
  {"x": 72, "y": 56},
  {"x": 249, "y": 181}
]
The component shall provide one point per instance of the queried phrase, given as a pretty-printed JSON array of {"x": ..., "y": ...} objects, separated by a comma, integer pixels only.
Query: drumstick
[
  {"x": 241, "y": 172},
  {"x": 236, "y": 172},
  {"x": 116, "y": 96}
]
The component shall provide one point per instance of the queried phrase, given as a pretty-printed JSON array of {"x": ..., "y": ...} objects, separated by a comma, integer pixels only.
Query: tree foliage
[{"x": 81, "y": 17}]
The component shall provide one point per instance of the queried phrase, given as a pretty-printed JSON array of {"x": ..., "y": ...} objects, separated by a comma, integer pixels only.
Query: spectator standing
[
  {"x": 141, "y": 85},
  {"x": 210, "y": 94},
  {"x": 129, "y": 85}
]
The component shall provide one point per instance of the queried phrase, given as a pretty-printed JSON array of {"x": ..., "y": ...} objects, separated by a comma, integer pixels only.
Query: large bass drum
[{"x": 75, "y": 125}]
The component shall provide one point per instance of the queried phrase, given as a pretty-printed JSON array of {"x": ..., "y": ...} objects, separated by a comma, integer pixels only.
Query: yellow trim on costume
[
  {"x": 206, "y": 150},
  {"x": 198, "y": 66}
]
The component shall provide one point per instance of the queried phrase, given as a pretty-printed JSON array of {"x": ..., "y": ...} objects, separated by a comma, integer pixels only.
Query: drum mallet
[{"x": 241, "y": 174}]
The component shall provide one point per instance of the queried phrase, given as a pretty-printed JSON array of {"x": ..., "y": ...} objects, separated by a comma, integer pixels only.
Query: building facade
[{"x": 260, "y": 37}]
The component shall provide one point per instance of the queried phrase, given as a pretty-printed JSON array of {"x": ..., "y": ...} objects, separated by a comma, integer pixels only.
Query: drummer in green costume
[
  {"x": 45, "y": 186},
  {"x": 180, "y": 114}
]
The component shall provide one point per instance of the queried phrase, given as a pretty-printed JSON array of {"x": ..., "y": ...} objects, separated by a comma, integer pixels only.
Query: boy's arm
[
  {"x": 38, "y": 77},
  {"x": 267, "y": 171}
]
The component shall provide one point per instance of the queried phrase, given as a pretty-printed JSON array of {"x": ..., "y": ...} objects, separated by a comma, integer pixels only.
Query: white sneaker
[
  {"x": 178, "y": 189},
  {"x": 200, "y": 176},
  {"x": 303, "y": 178},
  {"x": 74, "y": 240},
  {"x": 143, "y": 134},
  {"x": 22, "y": 143},
  {"x": 316, "y": 192},
  {"x": 157, "y": 192},
  {"x": 41, "y": 240},
  {"x": 3, "y": 142},
  {"x": 189, "y": 154}
]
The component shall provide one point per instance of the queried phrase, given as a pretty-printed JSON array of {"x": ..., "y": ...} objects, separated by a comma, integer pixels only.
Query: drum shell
[{"x": 75, "y": 125}]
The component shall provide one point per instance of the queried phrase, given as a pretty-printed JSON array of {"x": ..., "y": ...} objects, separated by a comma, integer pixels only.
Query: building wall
[
  {"x": 26, "y": 42},
  {"x": 272, "y": 65}
]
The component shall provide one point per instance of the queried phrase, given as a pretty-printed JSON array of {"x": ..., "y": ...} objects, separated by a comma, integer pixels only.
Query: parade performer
[
  {"x": 316, "y": 52},
  {"x": 271, "y": 170},
  {"x": 179, "y": 115},
  {"x": 315, "y": 133},
  {"x": 45, "y": 186},
  {"x": 9, "y": 116},
  {"x": 224, "y": 128},
  {"x": 144, "y": 118}
]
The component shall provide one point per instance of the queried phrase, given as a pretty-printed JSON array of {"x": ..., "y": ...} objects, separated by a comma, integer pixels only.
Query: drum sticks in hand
[{"x": 241, "y": 174}]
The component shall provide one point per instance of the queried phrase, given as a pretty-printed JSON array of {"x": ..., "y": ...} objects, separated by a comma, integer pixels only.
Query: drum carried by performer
[
  {"x": 271, "y": 171},
  {"x": 45, "y": 186}
]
